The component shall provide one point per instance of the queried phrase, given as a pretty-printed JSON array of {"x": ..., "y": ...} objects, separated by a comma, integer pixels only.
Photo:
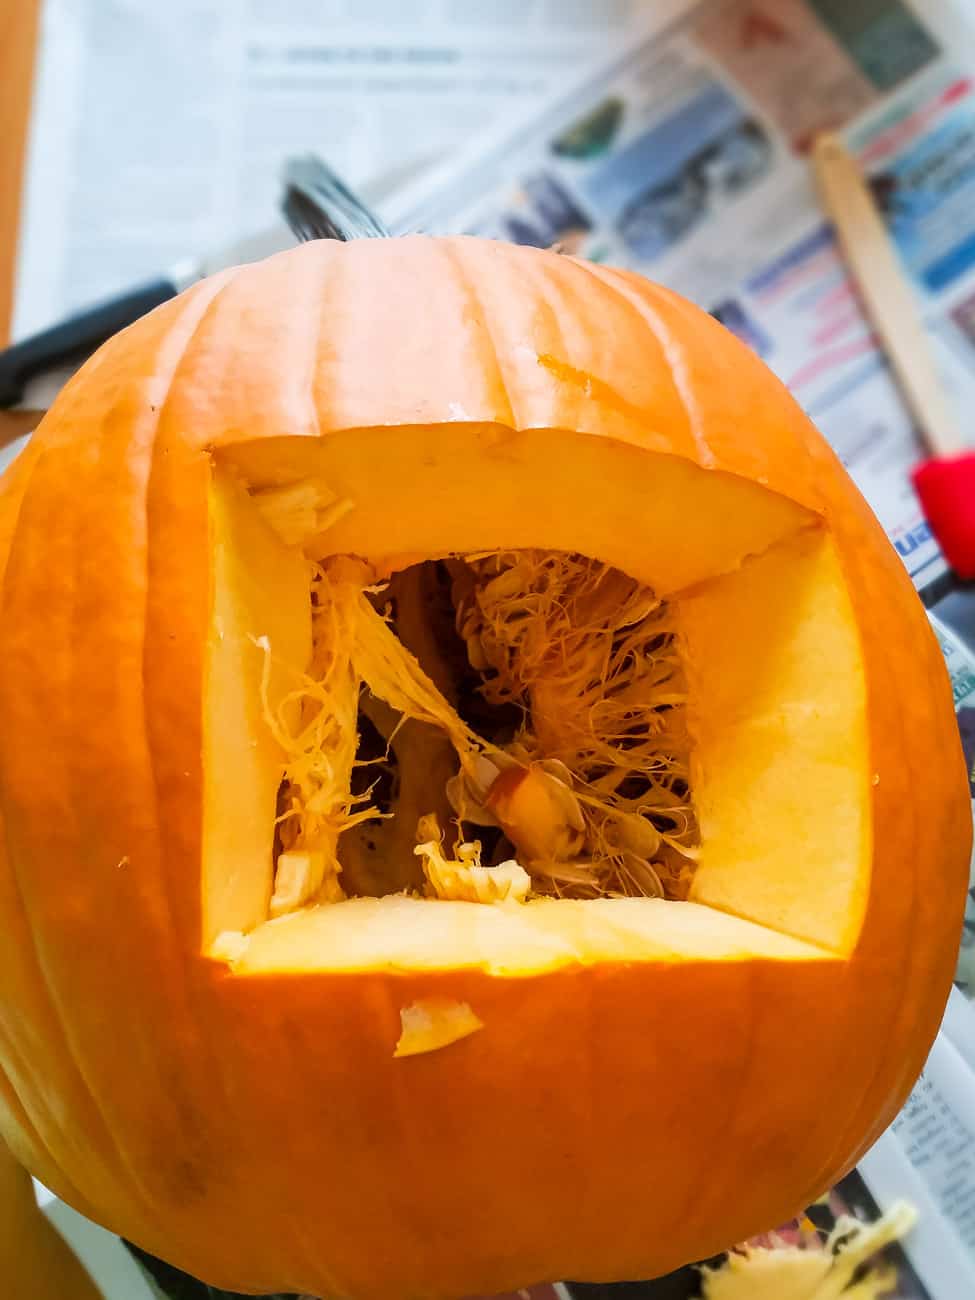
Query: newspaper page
[
  {"x": 686, "y": 159},
  {"x": 159, "y": 129}
]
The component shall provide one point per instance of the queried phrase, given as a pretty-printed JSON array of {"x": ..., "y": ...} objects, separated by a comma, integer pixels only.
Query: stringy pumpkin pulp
[{"x": 485, "y": 728}]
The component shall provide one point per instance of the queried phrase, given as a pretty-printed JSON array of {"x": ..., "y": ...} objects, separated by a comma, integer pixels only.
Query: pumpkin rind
[{"x": 608, "y": 1121}]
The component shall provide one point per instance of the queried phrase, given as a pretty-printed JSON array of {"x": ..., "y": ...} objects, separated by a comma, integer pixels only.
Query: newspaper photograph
[{"x": 686, "y": 159}]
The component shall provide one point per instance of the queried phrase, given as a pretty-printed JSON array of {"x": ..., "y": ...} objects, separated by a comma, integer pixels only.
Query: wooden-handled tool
[{"x": 945, "y": 482}]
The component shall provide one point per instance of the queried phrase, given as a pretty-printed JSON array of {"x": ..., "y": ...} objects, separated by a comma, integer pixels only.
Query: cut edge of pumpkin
[
  {"x": 401, "y": 934},
  {"x": 408, "y": 492},
  {"x": 831, "y": 938}
]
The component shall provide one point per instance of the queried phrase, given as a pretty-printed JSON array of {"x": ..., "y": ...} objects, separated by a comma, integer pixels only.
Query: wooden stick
[{"x": 890, "y": 302}]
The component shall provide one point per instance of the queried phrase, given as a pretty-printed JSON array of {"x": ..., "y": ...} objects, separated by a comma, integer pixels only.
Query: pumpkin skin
[{"x": 614, "y": 1118}]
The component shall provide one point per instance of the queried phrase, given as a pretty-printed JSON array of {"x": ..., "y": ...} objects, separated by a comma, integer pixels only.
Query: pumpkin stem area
[{"x": 488, "y": 728}]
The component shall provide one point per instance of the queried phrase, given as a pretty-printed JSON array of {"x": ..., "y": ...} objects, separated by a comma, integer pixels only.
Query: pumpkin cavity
[{"x": 485, "y": 728}]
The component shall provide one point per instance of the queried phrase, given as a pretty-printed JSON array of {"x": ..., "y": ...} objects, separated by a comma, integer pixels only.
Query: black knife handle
[{"x": 76, "y": 337}]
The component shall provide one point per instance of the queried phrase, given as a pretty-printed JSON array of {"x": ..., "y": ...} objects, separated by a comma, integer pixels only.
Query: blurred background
[{"x": 140, "y": 142}]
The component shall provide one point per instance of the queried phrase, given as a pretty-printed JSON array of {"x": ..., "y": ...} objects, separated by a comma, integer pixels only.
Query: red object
[{"x": 946, "y": 486}]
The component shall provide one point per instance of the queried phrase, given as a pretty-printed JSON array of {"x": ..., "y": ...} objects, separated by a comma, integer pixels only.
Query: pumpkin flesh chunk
[{"x": 739, "y": 874}]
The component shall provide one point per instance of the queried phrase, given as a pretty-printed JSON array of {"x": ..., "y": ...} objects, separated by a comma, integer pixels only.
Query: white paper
[
  {"x": 934, "y": 1247},
  {"x": 159, "y": 129},
  {"x": 936, "y": 1130}
]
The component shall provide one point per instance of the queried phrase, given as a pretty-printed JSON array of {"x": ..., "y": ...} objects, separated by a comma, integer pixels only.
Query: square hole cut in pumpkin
[{"x": 523, "y": 757}]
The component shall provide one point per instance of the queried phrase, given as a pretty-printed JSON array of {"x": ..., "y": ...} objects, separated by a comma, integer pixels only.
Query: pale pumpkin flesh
[
  {"x": 618, "y": 1085},
  {"x": 259, "y": 590}
]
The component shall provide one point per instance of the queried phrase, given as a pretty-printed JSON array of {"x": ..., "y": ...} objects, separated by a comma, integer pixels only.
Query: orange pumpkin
[{"x": 688, "y": 665}]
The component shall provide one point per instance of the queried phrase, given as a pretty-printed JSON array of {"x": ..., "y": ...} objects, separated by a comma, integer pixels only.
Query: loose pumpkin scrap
[
  {"x": 472, "y": 771},
  {"x": 848, "y": 1266}
]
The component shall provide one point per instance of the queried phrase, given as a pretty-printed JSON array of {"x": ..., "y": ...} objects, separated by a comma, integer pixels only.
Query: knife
[{"x": 75, "y": 338}]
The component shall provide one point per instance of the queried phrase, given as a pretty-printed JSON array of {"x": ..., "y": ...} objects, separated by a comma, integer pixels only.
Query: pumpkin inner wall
[{"x": 779, "y": 739}]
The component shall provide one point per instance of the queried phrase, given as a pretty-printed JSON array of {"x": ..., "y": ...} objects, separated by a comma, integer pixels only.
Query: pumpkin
[{"x": 481, "y": 800}]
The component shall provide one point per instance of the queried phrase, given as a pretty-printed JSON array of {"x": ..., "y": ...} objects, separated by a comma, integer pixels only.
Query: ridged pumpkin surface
[{"x": 613, "y": 1117}]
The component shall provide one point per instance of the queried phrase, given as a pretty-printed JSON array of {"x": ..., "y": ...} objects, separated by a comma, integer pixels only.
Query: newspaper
[
  {"x": 686, "y": 158},
  {"x": 159, "y": 130}
]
